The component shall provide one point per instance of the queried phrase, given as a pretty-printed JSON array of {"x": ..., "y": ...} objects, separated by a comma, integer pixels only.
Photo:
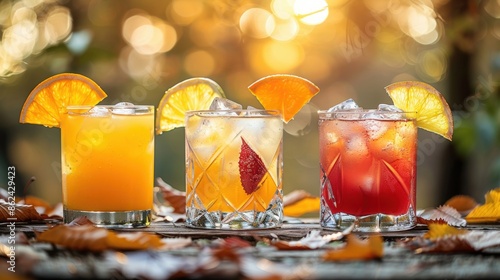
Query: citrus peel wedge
[
  {"x": 48, "y": 100},
  {"x": 191, "y": 94},
  {"x": 433, "y": 112},
  {"x": 283, "y": 92}
]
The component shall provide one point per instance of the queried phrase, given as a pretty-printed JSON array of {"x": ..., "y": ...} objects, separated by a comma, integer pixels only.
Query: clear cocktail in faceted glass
[
  {"x": 368, "y": 169},
  {"x": 234, "y": 165}
]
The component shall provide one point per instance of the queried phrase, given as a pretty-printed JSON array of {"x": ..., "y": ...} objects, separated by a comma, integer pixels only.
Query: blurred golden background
[{"x": 136, "y": 50}]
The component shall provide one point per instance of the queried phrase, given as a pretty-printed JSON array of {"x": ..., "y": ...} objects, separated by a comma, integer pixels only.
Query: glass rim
[
  {"x": 353, "y": 114},
  {"x": 216, "y": 112},
  {"x": 83, "y": 107},
  {"x": 125, "y": 110}
]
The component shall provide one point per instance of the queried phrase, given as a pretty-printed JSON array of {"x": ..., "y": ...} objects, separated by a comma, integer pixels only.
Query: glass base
[
  {"x": 370, "y": 223},
  {"x": 122, "y": 219},
  {"x": 203, "y": 219}
]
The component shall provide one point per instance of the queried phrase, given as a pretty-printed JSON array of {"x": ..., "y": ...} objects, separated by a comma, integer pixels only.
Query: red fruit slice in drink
[{"x": 252, "y": 168}]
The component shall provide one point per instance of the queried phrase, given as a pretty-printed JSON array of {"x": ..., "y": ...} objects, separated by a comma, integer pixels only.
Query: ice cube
[
  {"x": 224, "y": 104},
  {"x": 375, "y": 129},
  {"x": 123, "y": 108},
  {"x": 385, "y": 112},
  {"x": 389, "y": 108},
  {"x": 123, "y": 104},
  {"x": 98, "y": 111},
  {"x": 367, "y": 183},
  {"x": 356, "y": 147},
  {"x": 347, "y": 105}
]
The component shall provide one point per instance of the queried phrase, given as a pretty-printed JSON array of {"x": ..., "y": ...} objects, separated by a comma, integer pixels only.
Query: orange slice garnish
[
  {"x": 48, "y": 100},
  {"x": 191, "y": 94},
  {"x": 283, "y": 92}
]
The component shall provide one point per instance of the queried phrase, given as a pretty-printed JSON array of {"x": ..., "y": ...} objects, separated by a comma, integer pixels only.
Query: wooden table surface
[{"x": 260, "y": 262}]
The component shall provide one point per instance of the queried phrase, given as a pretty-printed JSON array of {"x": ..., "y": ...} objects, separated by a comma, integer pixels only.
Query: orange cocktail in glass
[
  {"x": 234, "y": 168},
  {"x": 107, "y": 155},
  {"x": 368, "y": 169},
  {"x": 234, "y": 161}
]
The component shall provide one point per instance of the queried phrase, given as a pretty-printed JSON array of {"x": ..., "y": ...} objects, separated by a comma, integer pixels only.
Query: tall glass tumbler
[
  {"x": 368, "y": 170},
  {"x": 234, "y": 165},
  {"x": 107, "y": 155}
]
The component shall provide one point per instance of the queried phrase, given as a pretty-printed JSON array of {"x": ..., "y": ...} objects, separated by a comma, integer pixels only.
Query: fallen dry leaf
[
  {"x": 357, "y": 249},
  {"x": 300, "y": 202},
  {"x": 313, "y": 240},
  {"x": 90, "y": 238},
  {"x": 18, "y": 212},
  {"x": 462, "y": 203},
  {"x": 444, "y": 215},
  {"x": 56, "y": 212},
  {"x": 484, "y": 213},
  {"x": 41, "y": 206},
  {"x": 236, "y": 242},
  {"x": 437, "y": 231},
  {"x": 85, "y": 237},
  {"x": 175, "y": 243},
  {"x": 80, "y": 221},
  {"x": 492, "y": 196},
  {"x": 489, "y": 211},
  {"x": 175, "y": 198},
  {"x": 442, "y": 238},
  {"x": 229, "y": 249},
  {"x": 133, "y": 241}
]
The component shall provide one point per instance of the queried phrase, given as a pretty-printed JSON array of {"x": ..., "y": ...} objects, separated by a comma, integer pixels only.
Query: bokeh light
[
  {"x": 200, "y": 63},
  {"x": 303, "y": 26},
  {"x": 184, "y": 12},
  {"x": 312, "y": 12},
  {"x": 257, "y": 23}
]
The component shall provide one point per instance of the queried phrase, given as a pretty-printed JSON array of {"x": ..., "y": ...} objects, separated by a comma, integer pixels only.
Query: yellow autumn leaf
[
  {"x": 487, "y": 212},
  {"x": 492, "y": 196},
  {"x": 439, "y": 230},
  {"x": 357, "y": 249},
  {"x": 304, "y": 206},
  {"x": 300, "y": 202}
]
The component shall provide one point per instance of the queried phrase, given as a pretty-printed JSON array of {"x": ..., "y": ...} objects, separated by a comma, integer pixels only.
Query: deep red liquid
[{"x": 368, "y": 175}]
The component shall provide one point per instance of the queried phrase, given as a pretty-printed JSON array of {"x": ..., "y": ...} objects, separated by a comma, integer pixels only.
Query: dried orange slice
[
  {"x": 283, "y": 92},
  {"x": 188, "y": 95},
  {"x": 48, "y": 100},
  {"x": 433, "y": 112}
]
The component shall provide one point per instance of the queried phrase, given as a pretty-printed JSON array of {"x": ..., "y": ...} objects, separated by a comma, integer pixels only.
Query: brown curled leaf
[
  {"x": 175, "y": 198},
  {"x": 443, "y": 238},
  {"x": 18, "y": 212},
  {"x": 90, "y": 238},
  {"x": 462, "y": 203}
]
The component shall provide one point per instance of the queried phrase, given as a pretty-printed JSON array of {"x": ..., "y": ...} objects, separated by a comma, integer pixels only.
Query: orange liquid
[
  {"x": 108, "y": 162},
  {"x": 212, "y": 170},
  {"x": 365, "y": 171}
]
